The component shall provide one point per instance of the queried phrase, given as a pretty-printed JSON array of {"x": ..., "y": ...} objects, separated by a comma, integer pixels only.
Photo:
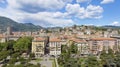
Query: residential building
[
  {"x": 38, "y": 46},
  {"x": 99, "y": 44},
  {"x": 82, "y": 45},
  {"x": 55, "y": 46},
  {"x": 117, "y": 37}
]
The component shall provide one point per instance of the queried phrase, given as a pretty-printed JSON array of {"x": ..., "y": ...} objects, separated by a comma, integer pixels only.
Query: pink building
[{"x": 99, "y": 44}]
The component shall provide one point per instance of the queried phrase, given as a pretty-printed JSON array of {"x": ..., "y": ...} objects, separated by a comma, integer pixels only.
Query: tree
[
  {"x": 117, "y": 59},
  {"x": 22, "y": 60},
  {"x": 65, "y": 55},
  {"x": 103, "y": 57},
  {"x": 64, "y": 48},
  {"x": 3, "y": 55},
  {"x": 107, "y": 58},
  {"x": 10, "y": 44},
  {"x": 1, "y": 47},
  {"x": 4, "y": 65},
  {"x": 92, "y": 61},
  {"x": 20, "y": 65},
  {"x": 72, "y": 62},
  {"x": 12, "y": 61},
  {"x": 23, "y": 44},
  {"x": 32, "y": 56},
  {"x": 15, "y": 55},
  {"x": 11, "y": 65},
  {"x": 73, "y": 48},
  {"x": 7, "y": 45}
]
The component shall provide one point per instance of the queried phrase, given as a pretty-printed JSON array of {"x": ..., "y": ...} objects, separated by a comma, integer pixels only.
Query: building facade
[
  {"x": 38, "y": 46},
  {"x": 82, "y": 45},
  {"x": 55, "y": 46},
  {"x": 99, "y": 44}
]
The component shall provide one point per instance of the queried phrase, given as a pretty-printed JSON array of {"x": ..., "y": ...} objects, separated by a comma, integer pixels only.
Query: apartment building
[
  {"x": 38, "y": 46},
  {"x": 46, "y": 45},
  {"x": 82, "y": 45},
  {"x": 99, "y": 44},
  {"x": 117, "y": 37},
  {"x": 55, "y": 46}
]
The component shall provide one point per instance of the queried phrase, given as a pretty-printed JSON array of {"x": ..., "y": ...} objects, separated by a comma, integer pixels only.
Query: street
[{"x": 46, "y": 62}]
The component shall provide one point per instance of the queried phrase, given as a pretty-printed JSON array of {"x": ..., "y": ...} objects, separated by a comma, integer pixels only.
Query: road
[{"x": 46, "y": 62}]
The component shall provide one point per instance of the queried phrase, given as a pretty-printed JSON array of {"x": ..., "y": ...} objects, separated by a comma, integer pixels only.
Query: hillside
[
  {"x": 5, "y": 22},
  {"x": 111, "y": 27}
]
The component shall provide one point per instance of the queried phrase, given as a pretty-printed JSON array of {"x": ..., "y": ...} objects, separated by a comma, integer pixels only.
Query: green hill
[{"x": 5, "y": 22}]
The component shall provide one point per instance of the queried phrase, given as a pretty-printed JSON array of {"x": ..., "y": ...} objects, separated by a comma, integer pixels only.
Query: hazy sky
[{"x": 62, "y": 12}]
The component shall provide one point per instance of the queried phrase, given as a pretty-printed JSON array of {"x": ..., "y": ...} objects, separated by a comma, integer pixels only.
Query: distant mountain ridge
[
  {"x": 5, "y": 22},
  {"x": 111, "y": 26}
]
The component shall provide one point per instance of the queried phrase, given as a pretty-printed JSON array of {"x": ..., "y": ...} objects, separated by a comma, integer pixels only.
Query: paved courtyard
[{"x": 46, "y": 62}]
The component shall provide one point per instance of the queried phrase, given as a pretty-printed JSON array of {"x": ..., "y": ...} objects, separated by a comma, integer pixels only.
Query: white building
[
  {"x": 82, "y": 45},
  {"x": 55, "y": 46}
]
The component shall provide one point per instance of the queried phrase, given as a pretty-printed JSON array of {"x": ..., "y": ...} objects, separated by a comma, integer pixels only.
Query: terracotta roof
[
  {"x": 102, "y": 39},
  {"x": 1, "y": 36},
  {"x": 77, "y": 40},
  {"x": 39, "y": 39},
  {"x": 54, "y": 40}
]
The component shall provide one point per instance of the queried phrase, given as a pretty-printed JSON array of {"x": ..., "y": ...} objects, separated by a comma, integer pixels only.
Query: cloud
[
  {"x": 50, "y": 19},
  {"x": 74, "y": 9},
  {"x": 115, "y": 23},
  {"x": 35, "y": 6},
  {"x": 107, "y": 1},
  {"x": 44, "y": 19},
  {"x": 47, "y": 13},
  {"x": 93, "y": 12},
  {"x": 81, "y": 1},
  {"x": 90, "y": 11}
]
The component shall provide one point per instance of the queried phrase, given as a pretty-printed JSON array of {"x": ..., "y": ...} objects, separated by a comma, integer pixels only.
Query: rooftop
[
  {"x": 54, "y": 40},
  {"x": 77, "y": 40},
  {"x": 102, "y": 39},
  {"x": 39, "y": 39}
]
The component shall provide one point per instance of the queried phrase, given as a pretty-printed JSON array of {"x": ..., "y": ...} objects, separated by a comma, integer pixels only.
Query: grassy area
[
  {"x": 51, "y": 59},
  {"x": 60, "y": 66},
  {"x": 37, "y": 60},
  {"x": 54, "y": 63}
]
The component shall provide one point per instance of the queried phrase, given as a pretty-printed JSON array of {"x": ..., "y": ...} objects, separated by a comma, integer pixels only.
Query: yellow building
[{"x": 38, "y": 46}]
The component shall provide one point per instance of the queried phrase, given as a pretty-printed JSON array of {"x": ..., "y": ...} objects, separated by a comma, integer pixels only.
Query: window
[
  {"x": 94, "y": 42},
  {"x": 39, "y": 48},
  {"x": 105, "y": 45}
]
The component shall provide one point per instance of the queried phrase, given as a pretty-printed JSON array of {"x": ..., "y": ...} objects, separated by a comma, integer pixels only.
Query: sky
[{"x": 50, "y": 13}]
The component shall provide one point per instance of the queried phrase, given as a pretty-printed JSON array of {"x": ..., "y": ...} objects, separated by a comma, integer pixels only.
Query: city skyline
[{"x": 48, "y": 13}]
